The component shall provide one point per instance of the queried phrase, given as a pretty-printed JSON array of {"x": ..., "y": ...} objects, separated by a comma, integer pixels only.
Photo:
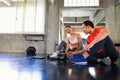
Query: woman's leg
[
  {"x": 61, "y": 48},
  {"x": 77, "y": 58}
]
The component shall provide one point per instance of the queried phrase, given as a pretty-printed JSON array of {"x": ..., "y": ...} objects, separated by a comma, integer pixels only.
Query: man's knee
[{"x": 115, "y": 56}]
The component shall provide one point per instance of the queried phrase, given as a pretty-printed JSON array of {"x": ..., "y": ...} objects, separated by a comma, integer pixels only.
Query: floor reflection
[
  {"x": 24, "y": 68},
  {"x": 101, "y": 72}
]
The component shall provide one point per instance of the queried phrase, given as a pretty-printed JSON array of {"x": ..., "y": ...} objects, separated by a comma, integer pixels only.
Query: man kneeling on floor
[{"x": 98, "y": 41}]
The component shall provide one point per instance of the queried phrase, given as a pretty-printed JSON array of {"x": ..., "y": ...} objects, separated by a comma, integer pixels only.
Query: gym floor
[{"x": 19, "y": 67}]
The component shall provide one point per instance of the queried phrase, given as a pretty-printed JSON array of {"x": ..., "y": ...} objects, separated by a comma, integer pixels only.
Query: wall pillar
[
  {"x": 52, "y": 28},
  {"x": 110, "y": 19}
]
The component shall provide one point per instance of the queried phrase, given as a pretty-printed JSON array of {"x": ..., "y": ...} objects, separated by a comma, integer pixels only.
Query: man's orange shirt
[{"x": 91, "y": 37}]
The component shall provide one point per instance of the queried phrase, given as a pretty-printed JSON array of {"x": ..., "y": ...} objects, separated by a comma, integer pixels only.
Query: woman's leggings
[{"x": 62, "y": 46}]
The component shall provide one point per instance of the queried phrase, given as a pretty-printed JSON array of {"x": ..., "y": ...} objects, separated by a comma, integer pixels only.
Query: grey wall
[
  {"x": 118, "y": 22},
  {"x": 16, "y": 43},
  {"x": 110, "y": 19}
]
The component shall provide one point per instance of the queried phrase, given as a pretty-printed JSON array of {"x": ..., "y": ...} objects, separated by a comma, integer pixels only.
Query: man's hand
[{"x": 87, "y": 47}]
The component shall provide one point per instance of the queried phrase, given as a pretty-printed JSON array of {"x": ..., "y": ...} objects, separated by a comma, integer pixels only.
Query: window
[
  {"x": 7, "y": 19},
  {"x": 28, "y": 19},
  {"x": 77, "y": 3}
]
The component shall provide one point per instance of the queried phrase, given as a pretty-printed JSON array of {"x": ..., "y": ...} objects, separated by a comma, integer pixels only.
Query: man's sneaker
[
  {"x": 54, "y": 55},
  {"x": 106, "y": 62}
]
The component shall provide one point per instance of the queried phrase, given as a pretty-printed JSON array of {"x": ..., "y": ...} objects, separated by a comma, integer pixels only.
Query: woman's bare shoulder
[{"x": 77, "y": 34}]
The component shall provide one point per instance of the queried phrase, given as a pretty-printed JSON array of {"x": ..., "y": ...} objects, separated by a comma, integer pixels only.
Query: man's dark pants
[{"x": 108, "y": 48}]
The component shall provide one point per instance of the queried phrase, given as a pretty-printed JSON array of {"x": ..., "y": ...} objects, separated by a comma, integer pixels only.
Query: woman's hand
[{"x": 69, "y": 54}]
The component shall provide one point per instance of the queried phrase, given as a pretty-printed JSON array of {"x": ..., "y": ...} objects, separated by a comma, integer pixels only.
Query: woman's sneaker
[
  {"x": 79, "y": 59},
  {"x": 54, "y": 55},
  {"x": 81, "y": 63}
]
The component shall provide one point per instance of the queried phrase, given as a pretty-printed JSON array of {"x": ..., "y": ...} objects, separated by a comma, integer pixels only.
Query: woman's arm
[
  {"x": 67, "y": 45},
  {"x": 79, "y": 47},
  {"x": 79, "y": 42},
  {"x": 76, "y": 52}
]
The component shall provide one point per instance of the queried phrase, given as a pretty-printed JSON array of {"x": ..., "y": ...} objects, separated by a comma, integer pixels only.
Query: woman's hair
[
  {"x": 68, "y": 26},
  {"x": 88, "y": 22}
]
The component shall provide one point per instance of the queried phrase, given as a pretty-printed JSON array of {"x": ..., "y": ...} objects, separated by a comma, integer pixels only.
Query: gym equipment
[{"x": 31, "y": 53}]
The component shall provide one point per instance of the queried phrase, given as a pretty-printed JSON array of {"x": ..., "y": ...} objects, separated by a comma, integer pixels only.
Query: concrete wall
[
  {"x": 16, "y": 43},
  {"x": 118, "y": 21},
  {"x": 110, "y": 19}
]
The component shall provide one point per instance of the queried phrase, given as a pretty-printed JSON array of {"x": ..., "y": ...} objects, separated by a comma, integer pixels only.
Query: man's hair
[
  {"x": 88, "y": 22},
  {"x": 68, "y": 26}
]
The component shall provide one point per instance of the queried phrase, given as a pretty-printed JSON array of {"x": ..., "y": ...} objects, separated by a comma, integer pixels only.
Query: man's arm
[{"x": 103, "y": 34}]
